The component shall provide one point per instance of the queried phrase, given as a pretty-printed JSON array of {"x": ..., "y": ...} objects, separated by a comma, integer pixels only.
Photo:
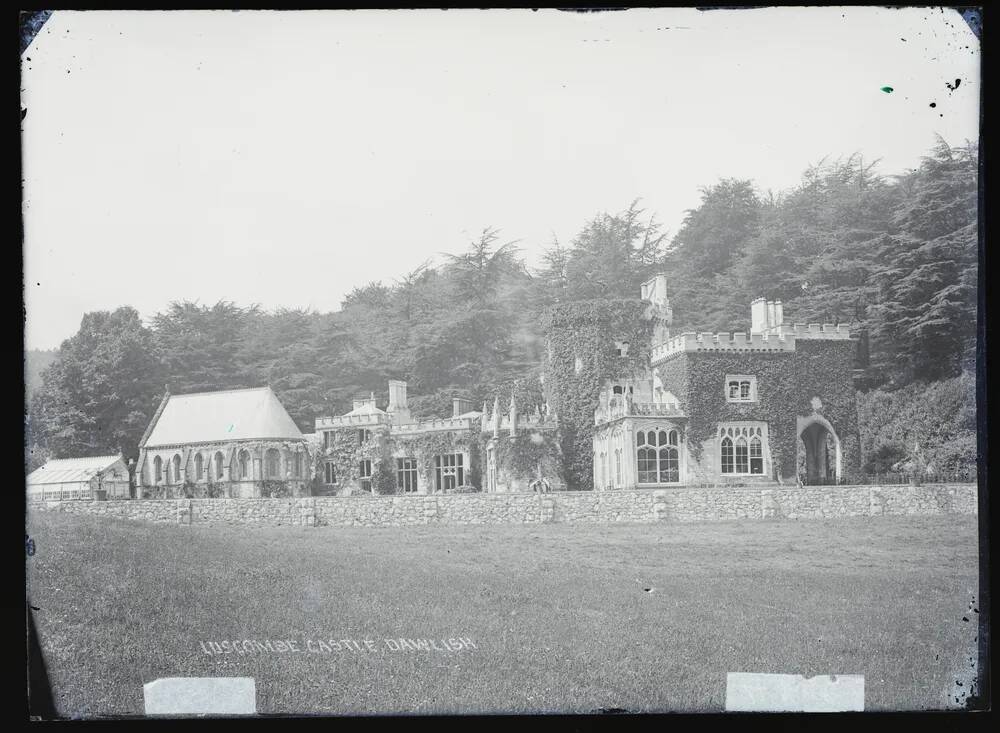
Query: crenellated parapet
[
  {"x": 812, "y": 331},
  {"x": 617, "y": 407},
  {"x": 779, "y": 339},
  {"x": 352, "y": 421}
]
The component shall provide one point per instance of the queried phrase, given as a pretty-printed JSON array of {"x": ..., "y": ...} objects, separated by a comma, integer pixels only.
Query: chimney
[
  {"x": 770, "y": 314},
  {"x": 397, "y": 395},
  {"x": 779, "y": 316},
  {"x": 758, "y": 316},
  {"x": 365, "y": 403},
  {"x": 460, "y": 406}
]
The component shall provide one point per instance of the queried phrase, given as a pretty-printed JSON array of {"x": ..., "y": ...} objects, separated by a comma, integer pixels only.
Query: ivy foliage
[
  {"x": 786, "y": 384},
  {"x": 529, "y": 452},
  {"x": 581, "y": 337}
]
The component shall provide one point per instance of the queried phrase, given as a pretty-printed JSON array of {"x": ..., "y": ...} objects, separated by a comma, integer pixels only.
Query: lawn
[{"x": 556, "y": 618}]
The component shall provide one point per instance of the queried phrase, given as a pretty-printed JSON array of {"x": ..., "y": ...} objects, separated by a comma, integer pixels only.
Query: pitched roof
[
  {"x": 70, "y": 470},
  {"x": 235, "y": 414}
]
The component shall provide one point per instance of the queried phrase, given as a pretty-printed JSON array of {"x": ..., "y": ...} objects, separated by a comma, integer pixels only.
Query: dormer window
[{"x": 741, "y": 388}]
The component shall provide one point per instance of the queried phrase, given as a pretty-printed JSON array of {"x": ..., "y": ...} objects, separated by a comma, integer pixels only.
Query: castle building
[
  {"x": 369, "y": 450},
  {"x": 236, "y": 443},
  {"x": 774, "y": 405}
]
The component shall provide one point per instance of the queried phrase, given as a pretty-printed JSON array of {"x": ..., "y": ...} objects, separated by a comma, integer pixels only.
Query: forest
[{"x": 893, "y": 256}]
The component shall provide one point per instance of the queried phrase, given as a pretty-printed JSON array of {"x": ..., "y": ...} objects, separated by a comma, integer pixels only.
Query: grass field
[{"x": 563, "y": 618}]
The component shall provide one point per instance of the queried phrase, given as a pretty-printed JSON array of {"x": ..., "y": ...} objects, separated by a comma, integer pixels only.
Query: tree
[
  {"x": 925, "y": 318},
  {"x": 101, "y": 391},
  {"x": 613, "y": 254},
  {"x": 709, "y": 243},
  {"x": 201, "y": 345}
]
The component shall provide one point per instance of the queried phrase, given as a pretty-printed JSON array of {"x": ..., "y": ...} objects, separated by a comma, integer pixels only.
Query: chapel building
[{"x": 239, "y": 443}]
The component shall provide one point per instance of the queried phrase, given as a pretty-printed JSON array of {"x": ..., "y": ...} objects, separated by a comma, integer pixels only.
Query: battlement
[
  {"x": 813, "y": 331},
  {"x": 779, "y": 339},
  {"x": 739, "y": 341},
  {"x": 351, "y": 421},
  {"x": 436, "y": 425},
  {"x": 617, "y": 408}
]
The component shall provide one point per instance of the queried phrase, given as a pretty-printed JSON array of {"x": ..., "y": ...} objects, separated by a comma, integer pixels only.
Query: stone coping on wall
[{"x": 681, "y": 504}]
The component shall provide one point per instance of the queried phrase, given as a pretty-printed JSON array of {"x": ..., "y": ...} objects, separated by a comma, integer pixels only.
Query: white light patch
[
  {"x": 201, "y": 696},
  {"x": 788, "y": 693}
]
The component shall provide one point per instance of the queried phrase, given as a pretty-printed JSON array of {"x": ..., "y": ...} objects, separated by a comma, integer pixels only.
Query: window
[
  {"x": 621, "y": 348},
  {"x": 327, "y": 439},
  {"x": 741, "y": 449},
  {"x": 365, "y": 474},
  {"x": 297, "y": 464},
  {"x": 618, "y": 467},
  {"x": 449, "y": 471},
  {"x": 272, "y": 463},
  {"x": 363, "y": 435},
  {"x": 199, "y": 466},
  {"x": 741, "y": 456},
  {"x": 406, "y": 475},
  {"x": 157, "y": 470},
  {"x": 741, "y": 388},
  {"x": 756, "y": 456},
  {"x": 727, "y": 455},
  {"x": 657, "y": 456},
  {"x": 218, "y": 465},
  {"x": 175, "y": 473},
  {"x": 329, "y": 473},
  {"x": 244, "y": 464}
]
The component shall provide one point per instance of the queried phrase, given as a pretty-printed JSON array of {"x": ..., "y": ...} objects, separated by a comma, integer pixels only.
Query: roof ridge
[
  {"x": 85, "y": 458},
  {"x": 223, "y": 391}
]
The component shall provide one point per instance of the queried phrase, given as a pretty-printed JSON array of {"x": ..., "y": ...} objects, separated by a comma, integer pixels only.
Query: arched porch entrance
[{"x": 819, "y": 446}]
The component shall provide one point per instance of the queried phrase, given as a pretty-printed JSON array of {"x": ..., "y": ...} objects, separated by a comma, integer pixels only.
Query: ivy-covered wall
[
  {"x": 382, "y": 447},
  {"x": 588, "y": 330},
  {"x": 520, "y": 458},
  {"x": 787, "y": 382}
]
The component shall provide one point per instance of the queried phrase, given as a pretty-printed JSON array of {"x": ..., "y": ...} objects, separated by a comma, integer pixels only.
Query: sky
[{"x": 284, "y": 158}]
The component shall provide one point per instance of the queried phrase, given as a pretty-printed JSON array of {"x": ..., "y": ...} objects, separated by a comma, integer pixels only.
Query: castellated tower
[{"x": 654, "y": 291}]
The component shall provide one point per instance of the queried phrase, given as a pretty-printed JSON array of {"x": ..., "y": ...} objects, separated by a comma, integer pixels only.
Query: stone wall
[{"x": 634, "y": 506}]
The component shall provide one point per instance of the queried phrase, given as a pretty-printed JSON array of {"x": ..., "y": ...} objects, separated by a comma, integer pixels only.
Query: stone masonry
[{"x": 583, "y": 507}]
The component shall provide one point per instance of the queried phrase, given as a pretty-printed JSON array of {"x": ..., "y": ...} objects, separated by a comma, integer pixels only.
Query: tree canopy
[{"x": 895, "y": 256}]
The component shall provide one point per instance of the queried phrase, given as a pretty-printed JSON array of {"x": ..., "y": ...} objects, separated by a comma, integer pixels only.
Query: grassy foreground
[{"x": 556, "y": 618}]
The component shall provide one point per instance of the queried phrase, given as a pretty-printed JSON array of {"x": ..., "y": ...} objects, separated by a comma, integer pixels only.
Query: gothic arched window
[
  {"x": 272, "y": 462},
  {"x": 756, "y": 456},
  {"x": 727, "y": 455},
  {"x": 244, "y": 459},
  {"x": 218, "y": 465},
  {"x": 657, "y": 457},
  {"x": 157, "y": 470},
  {"x": 742, "y": 464},
  {"x": 176, "y": 469},
  {"x": 199, "y": 466}
]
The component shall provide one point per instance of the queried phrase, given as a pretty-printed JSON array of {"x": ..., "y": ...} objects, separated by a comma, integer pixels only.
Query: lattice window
[
  {"x": 406, "y": 475},
  {"x": 741, "y": 450},
  {"x": 448, "y": 471},
  {"x": 657, "y": 456},
  {"x": 365, "y": 474},
  {"x": 741, "y": 388}
]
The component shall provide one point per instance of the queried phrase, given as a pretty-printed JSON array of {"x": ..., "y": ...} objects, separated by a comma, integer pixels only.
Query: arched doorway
[{"x": 821, "y": 446}]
